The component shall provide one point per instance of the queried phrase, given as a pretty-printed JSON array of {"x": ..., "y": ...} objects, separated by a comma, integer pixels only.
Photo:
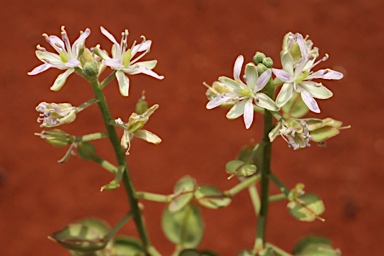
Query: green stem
[
  {"x": 115, "y": 141},
  {"x": 277, "y": 197},
  {"x": 86, "y": 104},
  {"x": 107, "y": 80},
  {"x": 279, "y": 184},
  {"x": 241, "y": 186},
  {"x": 154, "y": 197},
  {"x": 92, "y": 136},
  {"x": 264, "y": 172},
  {"x": 255, "y": 198},
  {"x": 118, "y": 226},
  {"x": 279, "y": 251}
]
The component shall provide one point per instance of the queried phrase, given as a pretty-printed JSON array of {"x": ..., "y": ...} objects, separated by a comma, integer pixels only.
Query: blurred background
[{"x": 194, "y": 41}]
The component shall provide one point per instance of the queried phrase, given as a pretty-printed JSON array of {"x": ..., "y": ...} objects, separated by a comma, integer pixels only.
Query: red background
[{"x": 194, "y": 41}]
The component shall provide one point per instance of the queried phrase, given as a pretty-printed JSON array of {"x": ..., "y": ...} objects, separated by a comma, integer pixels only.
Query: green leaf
[
  {"x": 83, "y": 236},
  {"x": 185, "y": 227},
  {"x": 315, "y": 246},
  {"x": 306, "y": 207},
  {"x": 182, "y": 193},
  {"x": 211, "y": 197},
  {"x": 239, "y": 168},
  {"x": 127, "y": 246}
]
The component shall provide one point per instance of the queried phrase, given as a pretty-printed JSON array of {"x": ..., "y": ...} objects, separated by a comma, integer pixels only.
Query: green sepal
[
  {"x": 182, "y": 193},
  {"x": 127, "y": 246},
  {"x": 184, "y": 228},
  {"x": 294, "y": 108},
  {"x": 240, "y": 169},
  {"x": 86, "y": 150},
  {"x": 84, "y": 236},
  {"x": 306, "y": 207},
  {"x": 211, "y": 197},
  {"x": 315, "y": 246}
]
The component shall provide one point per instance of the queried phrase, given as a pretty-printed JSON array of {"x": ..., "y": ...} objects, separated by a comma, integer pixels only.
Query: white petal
[
  {"x": 217, "y": 101},
  {"x": 263, "y": 80},
  {"x": 310, "y": 101},
  {"x": 60, "y": 80},
  {"x": 303, "y": 48},
  {"x": 142, "y": 70},
  {"x": 147, "y": 136},
  {"x": 265, "y": 102},
  {"x": 284, "y": 95},
  {"x": 236, "y": 110},
  {"x": 248, "y": 113},
  {"x": 108, "y": 35},
  {"x": 229, "y": 82},
  {"x": 316, "y": 90},
  {"x": 114, "y": 63},
  {"x": 39, "y": 69},
  {"x": 49, "y": 57},
  {"x": 82, "y": 37},
  {"x": 282, "y": 75},
  {"x": 251, "y": 75},
  {"x": 326, "y": 74},
  {"x": 287, "y": 63},
  {"x": 149, "y": 64},
  {"x": 123, "y": 82},
  {"x": 72, "y": 63},
  {"x": 146, "y": 45},
  {"x": 237, "y": 67}
]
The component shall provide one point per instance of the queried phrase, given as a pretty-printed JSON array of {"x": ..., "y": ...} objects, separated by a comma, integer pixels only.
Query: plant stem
[
  {"x": 255, "y": 198},
  {"x": 127, "y": 181},
  {"x": 277, "y": 197},
  {"x": 279, "y": 251},
  {"x": 279, "y": 184},
  {"x": 154, "y": 197},
  {"x": 118, "y": 226},
  {"x": 264, "y": 172},
  {"x": 242, "y": 185}
]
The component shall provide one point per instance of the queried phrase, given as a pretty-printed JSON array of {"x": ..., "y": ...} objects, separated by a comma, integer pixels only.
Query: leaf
[
  {"x": 127, "y": 246},
  {"x": 315, "y": 246},
  {"x": 239, "y": 168},
  {"x": 306, "y": 207},
  {"x": 83, "y": 236},
  {"x": 182, "y": 193},
  {"x": 185, "y": 227},
  {"x": 211, "y": 197}
]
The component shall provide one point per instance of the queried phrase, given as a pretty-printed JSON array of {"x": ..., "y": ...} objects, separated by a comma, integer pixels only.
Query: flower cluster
[{"x": 69, "y": 58}]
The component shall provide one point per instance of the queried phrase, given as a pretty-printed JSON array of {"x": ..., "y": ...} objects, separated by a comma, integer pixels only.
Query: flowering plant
[{"x": 182, "y": 222}]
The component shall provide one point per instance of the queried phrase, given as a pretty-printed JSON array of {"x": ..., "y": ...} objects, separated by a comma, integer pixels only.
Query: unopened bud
[
  {"x": 56, "y": 137},
  {"x": 89, "y": 63},
  {"x": 259, "y": 57},
  {"x": 261, "y": 68},
  {"x": 141, "y": 105},
  {"x": 268, "y": 62}
]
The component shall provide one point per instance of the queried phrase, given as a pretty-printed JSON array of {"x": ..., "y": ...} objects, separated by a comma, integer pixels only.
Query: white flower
[
  {"x": 244, "y": 94},
  {"x": 55, "y": 114},
  {"x": 66, "y": 59},
  {"x": 133, "y": 128},
  {"x": 297, "y": 75},
  {"x": 124, "y": 61}
]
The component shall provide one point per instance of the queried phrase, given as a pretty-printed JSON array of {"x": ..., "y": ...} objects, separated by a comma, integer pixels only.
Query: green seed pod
[
  {"x": 141, "y": 105},
  {"x": 56, "y": 137}
]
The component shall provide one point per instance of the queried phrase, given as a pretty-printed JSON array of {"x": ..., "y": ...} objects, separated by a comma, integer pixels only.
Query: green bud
[
  {"x": 56, "y": 137},
  {"x": 268, "y": 62},
  {"x": 141, "y": 105},
  {"x": 259, "y": 57},
  {"x": 89, "y": 63},
  {"x": 86, "y": 150},
  {"x": 261, "y": 68}
]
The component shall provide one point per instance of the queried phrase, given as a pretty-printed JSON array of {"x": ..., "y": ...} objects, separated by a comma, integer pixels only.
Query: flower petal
[
  {"x": 147, "y": 136},
  {"x": 114, "y": 63},
  {"x": 326, "y": 74},
  {"x": 149, "y": 64},
  {"x": 251, "y": 75},
  {"x": 142, "y": 70},
  {"x": 237, "y": 110},
  {"x": 237, "y": 67},
  {"x": 60, "y": 80},
  {"x": 123, "y": 82},
  {"x": 284, "y": 95},
  {"x": 282, "y": 75},
  {"x": 310, "y": 101},
  {"x": 248, "y": 113},
  {"x": 301, "y": 43},
  {"x": 262, "y": 100},
  {"x": 39, "y": 69},
  {"x": 51, "y": 58},
  {"x": 108, "y": 35},
  {"x": 217, "y": 101},
  {"x": 144, "y": 46},
  {"x": 229, "y": 82},
  {"x": 81, "y": 38},
  {"x": 316, "y": 90},
  {"x": 263, "y": 80}
]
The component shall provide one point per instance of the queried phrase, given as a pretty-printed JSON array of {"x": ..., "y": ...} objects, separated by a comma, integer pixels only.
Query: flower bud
[
  {"x": 261, "y": 68},
  {"x": 141, "y": 105},
  {"x": 54, "y": 114},
  {"x": 90, "y": 65},
  {"x": 56, "y": 137},
  {"x": 259, "y": 57},
  {"x": 268, "y": 62}
]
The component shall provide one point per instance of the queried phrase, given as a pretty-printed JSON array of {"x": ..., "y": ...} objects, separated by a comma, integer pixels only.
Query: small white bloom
[
  {"x": 243, "y": 95},
  {"x": 124, "y": 61},
  {"x": 297, "y": 75},
  {"x": 133, "y": 128},
  {"x": 66, "y": 59},
  {"x": 53, "y": 114},
  {"x": 294, "y": 131}
]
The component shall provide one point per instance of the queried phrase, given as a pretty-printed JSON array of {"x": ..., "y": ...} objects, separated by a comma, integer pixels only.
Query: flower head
[
  {"x": 242, "y": 95},
  {"x": 133, "y": 128},
  {"x": 125, "y": 61},
  {"x": 294, "y": 131},
  {"x": 66, "y": 58},
  {"x": 298, "y": 58},
  {"x": 52, "y": 114}
]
